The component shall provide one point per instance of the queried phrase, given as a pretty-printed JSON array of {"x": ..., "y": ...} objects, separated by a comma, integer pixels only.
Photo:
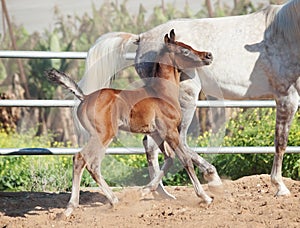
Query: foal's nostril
[{"x": 209, "y": 55}]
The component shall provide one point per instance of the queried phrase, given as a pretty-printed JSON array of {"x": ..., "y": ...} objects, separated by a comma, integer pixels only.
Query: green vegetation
[
  {"x": 252, "y": 127},
  {"x": 32, "y": 173},
  {"x": 255, "y": 127}
]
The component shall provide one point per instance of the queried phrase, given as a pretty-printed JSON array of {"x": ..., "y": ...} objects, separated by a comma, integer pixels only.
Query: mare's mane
[{"x": 284, "y": 20}]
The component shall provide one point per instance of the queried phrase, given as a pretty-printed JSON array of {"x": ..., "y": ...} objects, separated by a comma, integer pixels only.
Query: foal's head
[{"x": 184, "y": 56}]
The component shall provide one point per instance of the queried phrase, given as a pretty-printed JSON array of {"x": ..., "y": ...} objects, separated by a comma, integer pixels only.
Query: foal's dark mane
[{"x": 165, "y": 50}]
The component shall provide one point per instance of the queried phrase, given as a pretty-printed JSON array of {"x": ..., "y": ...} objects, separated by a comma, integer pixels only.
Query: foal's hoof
[
  {"x": 163, "y": 195},
  {"x": 68, "y": 212},
  {"x": 60, "y": 216},
  {"x": 114, "y": 201},
  {"x": 215, "y": 183},
  {"x": 208, "y": 200},
  {"x": 216, "y": 188}
]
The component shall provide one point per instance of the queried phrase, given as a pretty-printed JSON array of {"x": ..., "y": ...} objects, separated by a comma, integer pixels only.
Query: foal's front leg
[
  {"x": 152, "y": 152},
  {"x": 188, "y": 95},
  {"x": 189, "y": 91},
  {"x": 186, "y": 160}
]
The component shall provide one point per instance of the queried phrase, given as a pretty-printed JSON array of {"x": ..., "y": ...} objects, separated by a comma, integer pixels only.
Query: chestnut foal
[{"x": 153, "y": 109}]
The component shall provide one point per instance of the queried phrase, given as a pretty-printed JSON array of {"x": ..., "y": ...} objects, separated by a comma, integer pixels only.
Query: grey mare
[{"x": 256, "y": 56}]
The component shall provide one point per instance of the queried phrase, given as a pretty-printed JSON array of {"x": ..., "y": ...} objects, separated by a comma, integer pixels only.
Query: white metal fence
[{"x": 71, "y": 103}]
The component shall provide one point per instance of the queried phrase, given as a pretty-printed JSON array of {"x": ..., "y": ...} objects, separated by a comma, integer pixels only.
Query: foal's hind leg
[
  {"x": 93, "y": 164},
  {"x": 286, "y": 108},
  {"x": 78, "y": 167},
  {"x": 90, "y": 157}
]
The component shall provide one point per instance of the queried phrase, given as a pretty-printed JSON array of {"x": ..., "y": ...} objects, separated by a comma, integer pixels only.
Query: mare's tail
[
  {"x": 66, "y": 81},
  {"x": 106, "y": 58}
]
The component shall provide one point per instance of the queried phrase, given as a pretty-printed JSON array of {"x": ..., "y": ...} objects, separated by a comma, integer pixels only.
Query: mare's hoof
[
  {"x": 163, "y": 194},
  {"x": 145, "y": 192},
  {"x": 283, "y": 192}
]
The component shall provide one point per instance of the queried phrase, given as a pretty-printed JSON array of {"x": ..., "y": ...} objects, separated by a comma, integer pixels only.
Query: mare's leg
[
  {"x": 189, "y": 90},
  {"x": 285, "y": 110},
  {"x": 152, "y": 152}
]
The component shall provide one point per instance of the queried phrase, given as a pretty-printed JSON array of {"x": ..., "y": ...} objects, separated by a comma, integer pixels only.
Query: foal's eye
[{"x": 186, "y": 52}]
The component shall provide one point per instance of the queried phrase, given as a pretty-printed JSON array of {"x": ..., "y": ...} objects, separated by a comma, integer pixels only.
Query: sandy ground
[{"x": 247, "y": 202}]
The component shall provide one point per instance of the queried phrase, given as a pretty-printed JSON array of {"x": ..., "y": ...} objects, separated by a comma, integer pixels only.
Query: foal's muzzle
[{"x": 208, "y": 58}]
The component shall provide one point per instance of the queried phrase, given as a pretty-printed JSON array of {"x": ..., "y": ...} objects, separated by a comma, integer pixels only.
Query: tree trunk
[
  {"x": 209, "y": 7},
  {"x": 235, "y": 3},
  {"x": 14, "y": 45}
]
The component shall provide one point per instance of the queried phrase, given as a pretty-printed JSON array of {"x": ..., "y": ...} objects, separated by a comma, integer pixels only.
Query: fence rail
[
  {"x": 114, "y": 151},
  {"x": 50, "y": 55},
  {"x": 123, "y": 150},
  {"x": 200, "y": 104},
  {"x": 138, "y": 150}
]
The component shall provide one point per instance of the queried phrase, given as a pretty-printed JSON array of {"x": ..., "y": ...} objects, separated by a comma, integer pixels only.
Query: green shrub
[
  {"x": 253, "y": 127},
  {"x": 34, "y": 173}
]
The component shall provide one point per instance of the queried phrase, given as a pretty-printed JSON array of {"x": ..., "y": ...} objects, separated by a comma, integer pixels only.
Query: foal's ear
[
  {"x": 172, "y": 36},
  {"x": 167, "y": 39}
]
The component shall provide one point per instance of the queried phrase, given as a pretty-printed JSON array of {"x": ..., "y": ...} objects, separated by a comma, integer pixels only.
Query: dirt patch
[{"x": 247, "y": 202}]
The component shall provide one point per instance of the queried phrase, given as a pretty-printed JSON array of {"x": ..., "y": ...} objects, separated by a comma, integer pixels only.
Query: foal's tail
[
  {"x": 106, "y": 58},
  {"x": 66, "y": 81}
]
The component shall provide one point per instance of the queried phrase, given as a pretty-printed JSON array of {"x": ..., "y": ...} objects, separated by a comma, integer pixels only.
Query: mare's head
[{"x": 184, "y": 56}]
